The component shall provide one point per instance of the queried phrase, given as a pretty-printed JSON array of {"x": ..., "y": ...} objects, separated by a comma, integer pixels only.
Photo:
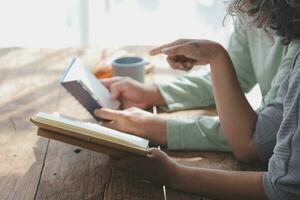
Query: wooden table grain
[{"x": 32, "y": 167}]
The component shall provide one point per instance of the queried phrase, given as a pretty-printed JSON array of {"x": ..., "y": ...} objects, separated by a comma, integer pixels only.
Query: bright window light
[{"x": 63, "y": 23}]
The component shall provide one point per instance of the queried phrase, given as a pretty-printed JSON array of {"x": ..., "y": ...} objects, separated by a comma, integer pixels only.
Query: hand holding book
[
  {"x": 137, "y": 122},
  {"x": 84, "y": 86}
]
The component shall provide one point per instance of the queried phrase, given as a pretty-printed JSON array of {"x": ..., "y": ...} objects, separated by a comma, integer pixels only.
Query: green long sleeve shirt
[{"x": 258, "y": 58}]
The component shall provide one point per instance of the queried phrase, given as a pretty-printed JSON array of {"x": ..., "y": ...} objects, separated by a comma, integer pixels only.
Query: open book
[
  {"x": 84, "y": 86},
  {"x": 88, "y": 135}
]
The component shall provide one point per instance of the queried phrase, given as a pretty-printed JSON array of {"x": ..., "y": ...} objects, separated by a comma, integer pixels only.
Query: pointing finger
[
  {"x": 176, "y": 50},
  {"x": 158, "y": 50}
]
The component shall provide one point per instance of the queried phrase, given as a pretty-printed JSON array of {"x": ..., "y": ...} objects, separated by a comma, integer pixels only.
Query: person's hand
[
  {"x": 136, "y": 122},
  {"x": 157, "y": 166},
  {"x": 184, "y": 54},
  {"x": 131, "y": 93}
]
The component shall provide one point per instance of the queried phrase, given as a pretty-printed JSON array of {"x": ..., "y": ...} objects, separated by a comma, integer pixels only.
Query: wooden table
[{"x": 32, "y": 167}]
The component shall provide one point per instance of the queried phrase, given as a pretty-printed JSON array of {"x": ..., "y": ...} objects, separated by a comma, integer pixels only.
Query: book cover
[{"x": 85, "y": 87}]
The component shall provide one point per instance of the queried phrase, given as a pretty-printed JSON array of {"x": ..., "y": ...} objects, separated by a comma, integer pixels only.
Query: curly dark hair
[{"x": 283, "y": 16}]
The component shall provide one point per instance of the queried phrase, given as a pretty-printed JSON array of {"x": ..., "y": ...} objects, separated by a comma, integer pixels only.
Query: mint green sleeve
[
  {"x": 196, "y": 133},
  {"x": 190, "y": 91},
  {"x": 187, "y": 91}
]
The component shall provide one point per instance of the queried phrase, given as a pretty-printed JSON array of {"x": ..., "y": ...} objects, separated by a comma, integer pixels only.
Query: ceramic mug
[{"x": 133, "y": 67}]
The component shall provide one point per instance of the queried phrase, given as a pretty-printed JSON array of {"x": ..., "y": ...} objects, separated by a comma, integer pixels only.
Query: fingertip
[
  {"x": 96, "y": 111},
  {"x": 149, "y": 152},
  {"x": 106, "y": 82},
  {"x": 153, "y": 52}
]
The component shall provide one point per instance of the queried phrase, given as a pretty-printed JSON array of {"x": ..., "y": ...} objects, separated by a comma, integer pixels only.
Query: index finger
[
  {"x": 158, "y": 50},
  {"x": 179, "y": 50}
]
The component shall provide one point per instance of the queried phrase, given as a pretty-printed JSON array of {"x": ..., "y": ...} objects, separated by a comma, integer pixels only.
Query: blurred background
[
  {"x": 67, "y": 23},
  {"x": 106, "y": 23}
]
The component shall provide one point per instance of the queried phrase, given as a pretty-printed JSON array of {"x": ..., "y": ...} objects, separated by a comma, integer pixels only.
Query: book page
[
  {"x": 91, "y": 129},
  {"x": 80, "y": 73}
]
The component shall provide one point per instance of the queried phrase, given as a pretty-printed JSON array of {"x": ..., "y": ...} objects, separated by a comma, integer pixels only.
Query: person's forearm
[
  {"x": 219, "y": 184},
  {"x": 236, "y": 115}
]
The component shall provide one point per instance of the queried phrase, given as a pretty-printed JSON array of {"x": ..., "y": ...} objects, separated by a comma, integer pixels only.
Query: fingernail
[
  {"x": 149, "y": 155},
  {"x": 165, "y": 50}
]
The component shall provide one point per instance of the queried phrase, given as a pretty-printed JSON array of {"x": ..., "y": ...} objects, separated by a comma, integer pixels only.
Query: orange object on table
[{"x": 102, "y": 71}]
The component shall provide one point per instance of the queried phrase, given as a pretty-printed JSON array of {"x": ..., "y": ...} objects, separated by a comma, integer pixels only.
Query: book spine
[
  {"x": 82, "y": 96},
  {"x": 67, "y": 70}
]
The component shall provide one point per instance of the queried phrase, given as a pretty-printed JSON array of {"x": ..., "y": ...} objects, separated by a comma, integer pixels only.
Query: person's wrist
[
  {"x": 219, "y": 55},
  {"x": 175, "y": 175},
  {"x": 153, "y": 96},
  {"x": 156, "y": 130},
  {"x": 162, "y": 130}
]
